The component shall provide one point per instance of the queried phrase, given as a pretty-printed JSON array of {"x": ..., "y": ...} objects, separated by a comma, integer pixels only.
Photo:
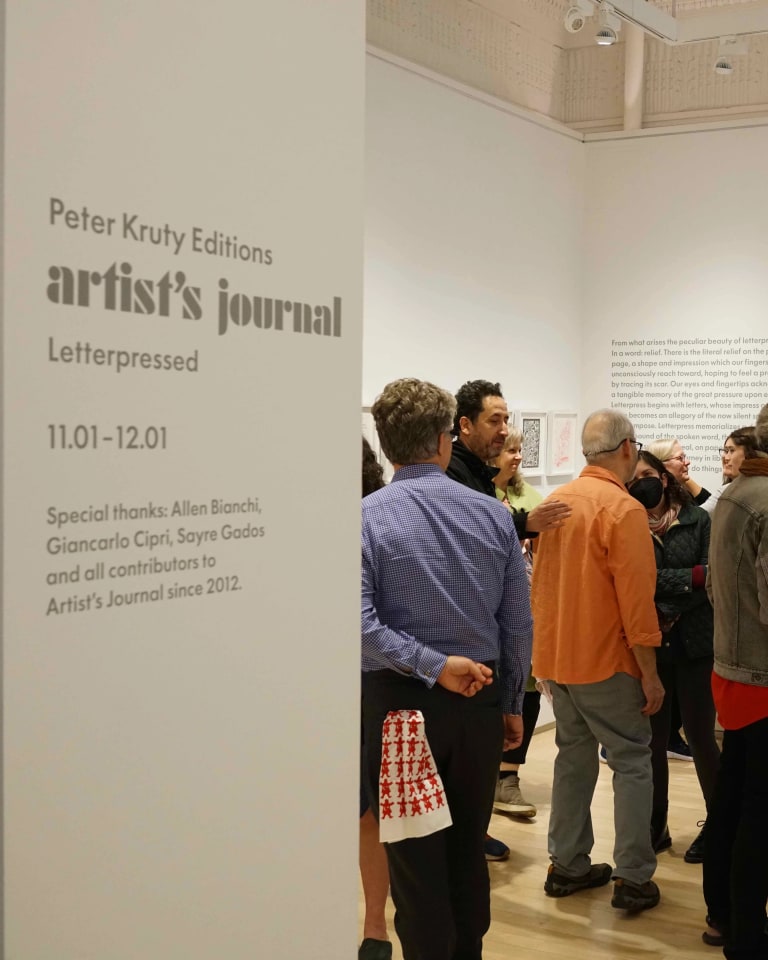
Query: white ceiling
[{"x": 520, "y": 51}]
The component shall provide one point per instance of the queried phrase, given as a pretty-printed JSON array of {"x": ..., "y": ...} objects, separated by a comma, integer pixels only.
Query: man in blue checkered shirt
[{"x": 446, "y": 629}]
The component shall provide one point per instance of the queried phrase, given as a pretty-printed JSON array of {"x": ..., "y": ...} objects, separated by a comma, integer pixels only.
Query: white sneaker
[{"x": 508, "y": 798}]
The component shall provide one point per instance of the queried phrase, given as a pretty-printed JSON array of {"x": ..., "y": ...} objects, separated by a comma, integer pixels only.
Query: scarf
[{"x": 660, "y": 525}]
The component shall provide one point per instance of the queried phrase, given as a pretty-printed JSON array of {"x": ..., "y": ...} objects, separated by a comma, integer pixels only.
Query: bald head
[{"x": 602, "y": 443}]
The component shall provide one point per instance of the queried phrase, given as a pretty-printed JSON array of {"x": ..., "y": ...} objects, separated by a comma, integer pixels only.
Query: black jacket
[
  {"x": 469, "y": 470},
  {"x": 684, "y": 546}
]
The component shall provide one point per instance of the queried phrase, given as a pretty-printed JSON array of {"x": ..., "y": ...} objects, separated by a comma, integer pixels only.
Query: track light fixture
[
  {"x": 576, "y": 16},
  {"x": 608, "y": 26}
]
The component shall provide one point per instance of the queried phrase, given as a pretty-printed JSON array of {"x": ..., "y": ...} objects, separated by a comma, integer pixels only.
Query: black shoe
[
  {"x": 713, "y": 936},
  {"x": 695, "y": 853},
  {"x": 634, "y": 897},
  {"x": 662, "y": 840},
  {"x": 375, "y": 950},
  {"x": 561, "y": 885}
]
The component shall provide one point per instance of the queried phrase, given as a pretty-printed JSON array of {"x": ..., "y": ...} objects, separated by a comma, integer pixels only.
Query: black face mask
[{"x": 648, "y": 491}]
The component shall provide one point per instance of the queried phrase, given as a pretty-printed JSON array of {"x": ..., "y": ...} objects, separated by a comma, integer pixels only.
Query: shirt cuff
[{"x": 429, "y": 665}]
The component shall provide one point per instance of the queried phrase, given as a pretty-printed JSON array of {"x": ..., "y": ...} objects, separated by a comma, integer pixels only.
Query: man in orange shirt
[{"x": 595, "y": 630}]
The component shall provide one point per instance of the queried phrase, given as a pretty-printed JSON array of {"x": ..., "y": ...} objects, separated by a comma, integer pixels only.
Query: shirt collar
[
  {"x": 411, "y": 470},
  {"x": 600, "y": 473}
]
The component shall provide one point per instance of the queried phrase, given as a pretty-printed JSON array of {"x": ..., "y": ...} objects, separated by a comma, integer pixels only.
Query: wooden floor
[{"x": 584, "y": 926}]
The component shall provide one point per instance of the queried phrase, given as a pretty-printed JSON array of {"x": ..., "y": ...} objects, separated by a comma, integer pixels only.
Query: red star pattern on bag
[{"x": 415, "y": 783}]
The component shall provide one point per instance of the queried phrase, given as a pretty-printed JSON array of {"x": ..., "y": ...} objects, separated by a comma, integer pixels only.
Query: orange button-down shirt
[{"x": 593, "y": 584}]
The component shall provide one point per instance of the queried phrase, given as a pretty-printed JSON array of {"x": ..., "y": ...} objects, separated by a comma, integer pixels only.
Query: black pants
[
  {"x": 439, "y": 883},
  {"x": 531, "y": 708},
  {"x": 692, "y": 681},
  {"x": 736, "y": 844}
]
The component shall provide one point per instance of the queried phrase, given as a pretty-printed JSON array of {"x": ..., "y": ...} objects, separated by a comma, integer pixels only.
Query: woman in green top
[
  {"x": 510, "y": 485},
  {"x": 513, "y": 491}
]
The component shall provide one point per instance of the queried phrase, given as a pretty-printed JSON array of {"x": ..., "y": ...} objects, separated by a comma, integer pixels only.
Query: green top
[{"x": 528, "y": 499}]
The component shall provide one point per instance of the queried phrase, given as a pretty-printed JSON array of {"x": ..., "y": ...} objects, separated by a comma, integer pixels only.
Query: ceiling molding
[{"x": 496, "y": 103}]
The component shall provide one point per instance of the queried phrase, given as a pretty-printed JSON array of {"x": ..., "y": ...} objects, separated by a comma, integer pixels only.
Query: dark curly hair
[
  {"x": 373, "y": 472},
  {"x": 470, "y": 398},
  {"x": 745, "y": 437},
  {"x": 675, "y": 494}
]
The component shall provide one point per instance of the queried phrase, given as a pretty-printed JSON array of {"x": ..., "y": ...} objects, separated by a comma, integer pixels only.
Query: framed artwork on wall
[
  {"x": 561, "y": 448},
  {"x": 533, "y": 426}
]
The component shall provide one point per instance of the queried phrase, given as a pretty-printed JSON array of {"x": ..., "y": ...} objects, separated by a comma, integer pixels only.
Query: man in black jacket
[{"x": 480, "y": 429}]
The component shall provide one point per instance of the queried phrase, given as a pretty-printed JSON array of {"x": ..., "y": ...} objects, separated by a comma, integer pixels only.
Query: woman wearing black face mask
[{"x": 680, "y": 532}]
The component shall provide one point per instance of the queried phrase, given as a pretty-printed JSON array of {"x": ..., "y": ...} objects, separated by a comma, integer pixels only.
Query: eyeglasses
[
  {"x": 599, "y": 452},
  {"x": 727, "y": 451},
  {"x": 681, "y": 457}
]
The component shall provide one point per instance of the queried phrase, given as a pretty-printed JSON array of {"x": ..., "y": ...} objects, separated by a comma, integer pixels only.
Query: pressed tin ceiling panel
[{"x": 520, "y": 51}]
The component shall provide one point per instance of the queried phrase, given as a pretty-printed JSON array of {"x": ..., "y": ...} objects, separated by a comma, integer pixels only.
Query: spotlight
[
  {"x": 576, "y": 16},
  {"x": 608, "y": 31},
  {"x": 605, "y": 37},
  {"x": 728, "y": 48}
]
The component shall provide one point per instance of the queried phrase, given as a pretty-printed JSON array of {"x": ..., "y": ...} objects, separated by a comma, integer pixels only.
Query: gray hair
[
  {"x": 603, "y": 433},
  {"x": 410, "y": 415},
  {"x": 761, "y": 429}
]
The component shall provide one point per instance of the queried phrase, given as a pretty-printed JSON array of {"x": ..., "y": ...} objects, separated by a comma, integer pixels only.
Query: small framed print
[
  {"x": 561, "y": 445},
  {"x": 533, "y": 426}
]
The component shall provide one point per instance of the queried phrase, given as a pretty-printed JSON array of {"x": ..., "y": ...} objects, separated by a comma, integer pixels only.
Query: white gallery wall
[
  {"x": 504, "y": 250},
  {"x": 474, "y": 227},
  {"x": 626, "y": 272},
  {"x": 180, "y": 578},
  {"x": 676, "y": 250},
  {"x": 474, "y": 224}
]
